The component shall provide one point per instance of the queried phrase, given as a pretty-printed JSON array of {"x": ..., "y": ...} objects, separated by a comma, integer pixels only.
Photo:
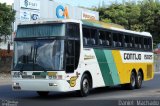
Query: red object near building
[
  {"x": 157, "y": 51},
  {"x": 5, "y": 53}
]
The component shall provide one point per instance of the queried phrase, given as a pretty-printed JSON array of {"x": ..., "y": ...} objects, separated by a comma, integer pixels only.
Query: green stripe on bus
[
  {"x": 101, "y": 58},
  {"x": 112, "y": 66}
]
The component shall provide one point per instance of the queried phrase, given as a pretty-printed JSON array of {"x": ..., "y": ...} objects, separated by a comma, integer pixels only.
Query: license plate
[{"x": 52, "y": 74}]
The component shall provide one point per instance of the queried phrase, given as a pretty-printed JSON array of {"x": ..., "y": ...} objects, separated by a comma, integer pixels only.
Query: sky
[{"x": 84, "y": 3}]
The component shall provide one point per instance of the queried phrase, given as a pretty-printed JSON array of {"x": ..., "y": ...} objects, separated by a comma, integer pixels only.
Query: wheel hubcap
[
  {"x": 85, "y": 85},
  {"x": 139, "y": 80},
  {"x": 133, "y": 81}
]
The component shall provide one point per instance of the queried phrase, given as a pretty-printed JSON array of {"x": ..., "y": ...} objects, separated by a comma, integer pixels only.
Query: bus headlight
[
  {"x": 16, "y": 75},
  {"x": 15, "y": 84}
]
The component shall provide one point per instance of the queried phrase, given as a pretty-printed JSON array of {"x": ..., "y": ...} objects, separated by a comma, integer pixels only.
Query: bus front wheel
[
  {"x": 43, "y": 93},
  {"x": 85, "y": 86}
]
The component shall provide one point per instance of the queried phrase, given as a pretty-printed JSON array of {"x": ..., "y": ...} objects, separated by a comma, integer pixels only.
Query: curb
[{"x": 157, "y": 72}]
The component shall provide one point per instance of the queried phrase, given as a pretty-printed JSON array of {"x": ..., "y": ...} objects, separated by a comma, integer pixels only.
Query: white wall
[{"x": 46, "y": 9}]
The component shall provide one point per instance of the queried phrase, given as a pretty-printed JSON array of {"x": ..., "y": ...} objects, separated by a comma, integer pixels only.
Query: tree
[
  {"x": 126, "y": 15},
  {"x": 7, "y": 16},
  {"x": 149, "y": 19}
]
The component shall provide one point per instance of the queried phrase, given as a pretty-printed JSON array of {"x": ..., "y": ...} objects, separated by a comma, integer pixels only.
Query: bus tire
[
  {"x": 139, "y": 80},
  {"x": 85, "y": 86},
  {"x": 132, "y": 83},
  {"x": 43, "y": 93}
]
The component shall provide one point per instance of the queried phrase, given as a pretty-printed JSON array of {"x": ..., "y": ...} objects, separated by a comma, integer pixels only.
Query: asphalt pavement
[{"x": 100, "y": 96}]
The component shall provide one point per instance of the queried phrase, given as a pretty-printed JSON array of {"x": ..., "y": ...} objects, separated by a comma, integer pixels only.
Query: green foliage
[
  {"x": 141, "y": 16},
  {"x": 6, "y": 18}
]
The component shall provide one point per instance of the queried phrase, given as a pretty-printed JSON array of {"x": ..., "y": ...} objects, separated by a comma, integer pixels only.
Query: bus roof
[
  {"x": 112, "y": 26},
  {"x": 44, "y": 21},
  {"x": 101, "y": 24}
]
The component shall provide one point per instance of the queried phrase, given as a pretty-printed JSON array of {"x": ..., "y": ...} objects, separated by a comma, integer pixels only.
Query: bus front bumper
[{"x": 41, "y": 85}]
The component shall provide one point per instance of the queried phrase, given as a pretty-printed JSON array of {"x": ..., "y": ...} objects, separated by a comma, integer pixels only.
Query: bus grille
[
  {"x": 149, "y": 71},
  {"x": 40, "y": 77},
  {"x": 27, "y": 76}
]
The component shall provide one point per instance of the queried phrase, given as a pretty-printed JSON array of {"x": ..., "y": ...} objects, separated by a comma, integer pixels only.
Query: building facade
[{"x": 28, "y": 10}]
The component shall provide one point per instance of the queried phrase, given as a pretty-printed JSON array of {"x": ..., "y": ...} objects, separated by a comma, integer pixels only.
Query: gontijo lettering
[
  {"x": 132, "y": 56},
  {"x": 64, "y": 10}
]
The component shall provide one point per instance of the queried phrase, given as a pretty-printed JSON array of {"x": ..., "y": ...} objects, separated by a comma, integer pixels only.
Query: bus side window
[
  {"x": 120, "y": 40},
  {"x": 93, "y": 37},
  {"x": 145, "y": 43},
  {"x": 136, "y": 43},
  {"x": 115, "y": 40},
  {"x": 128, "y": 41},
  {"x": 72, "y": 48},
  {"x": 70, "y": 52},
  {"x": 108, "y": 38},
  {"x": 140, "y": 42},
  {"x": 150, "y": 43},
  {"x": 73, "y": 30},
  {"x": 90, "y": 37},
  {"x": 125, "y": 41},
  {"x": 86, "y": 36},
  {"x": 102, "y": 38},
  {"x": 132, "y": 42},
  {"x": 72, "y": 55}
]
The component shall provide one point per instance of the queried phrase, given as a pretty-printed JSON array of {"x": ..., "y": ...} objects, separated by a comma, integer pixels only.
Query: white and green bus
[{"x": 78, "y": 55}]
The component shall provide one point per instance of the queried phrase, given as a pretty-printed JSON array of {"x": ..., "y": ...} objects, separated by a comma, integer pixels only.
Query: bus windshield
[
  {"x": 41, "y": 30},
  {"x": 38, "y": 55}
]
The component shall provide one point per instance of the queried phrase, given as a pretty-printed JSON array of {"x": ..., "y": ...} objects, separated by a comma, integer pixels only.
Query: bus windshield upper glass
[
  {"x": 41, "y": 30},
  {"x": 41, "y": 47},
  {"x": 39, "y": 55}
]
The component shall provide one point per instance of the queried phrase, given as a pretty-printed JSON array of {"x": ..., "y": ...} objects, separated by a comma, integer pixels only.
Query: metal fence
[{"x": 157, "y": 62}]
